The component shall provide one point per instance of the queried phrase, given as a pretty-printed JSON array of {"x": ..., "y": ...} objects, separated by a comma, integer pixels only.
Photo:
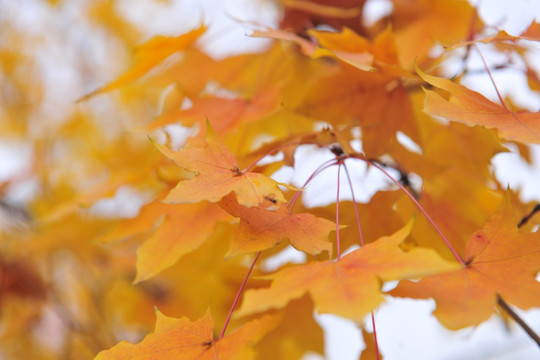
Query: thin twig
[
  {"x": 238, "y": 295},
  {"x": 458, "y": 258},
  {"x": 375, "y": 336},
  {"x": 529, "y": 216},
  {"x": 355, "y": 206},
  {"x": 338, "y": 243},
  {"x": 504, "y": 305}
]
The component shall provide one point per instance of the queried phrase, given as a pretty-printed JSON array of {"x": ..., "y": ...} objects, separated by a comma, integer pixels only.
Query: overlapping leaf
[
  {"x": 350, "y": 286},
  {"x": 297, "y": 334},
  {"x": 230, "y": 112},
  {"x": 217, "y": 175},
  {"x": 150, "y": 54},
  {"x": 183, "y": 339},
  {"x": 500, "y": 260},
  {"x": 419, "y": 24},
  {"x": 359, "y": 57},
  {"x": 472, "y": 108},
  {"x": 170, "y": 240},
  {"x": 264, "y": 226}
]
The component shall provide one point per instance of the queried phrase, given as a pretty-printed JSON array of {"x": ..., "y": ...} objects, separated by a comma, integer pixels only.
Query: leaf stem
[
  {"x": 325, "y": 165},
  {"x": 491, "y": 78},
  {"x": 238, "y": 295},
  {"x": 375, "y": 336},
  {"x": 338, "y": 244},
  {"x": 458, "y": 258},
  {"x": 529, "y": 216},
  {"x": 270, "y": 152},
  {"x": 376, "y": 343},
  {"x": 504, "y": 305},
  {"x": 355, "y": 206}
]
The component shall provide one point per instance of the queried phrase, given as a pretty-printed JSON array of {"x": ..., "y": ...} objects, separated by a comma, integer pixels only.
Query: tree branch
[
  {"x": 504, "y": 305},
  {"x": 529, "y": 216}
]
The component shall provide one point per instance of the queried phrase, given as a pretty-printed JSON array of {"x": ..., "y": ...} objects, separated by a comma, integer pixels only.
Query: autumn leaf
[
  {"x": 350, "y": 286},
  {"x": 322, "y": 9},
  {"x": 148, "y": 55},
  {"x": 230, "y": 112},
  {"x": 532, "y": 32},
  {"x": 372, "y": 100},
  {"x": 472, "y": 108},
  {"x": 420, "y": 24},
  {"x": 373, "y": 218},
  {"x": 361, "y": 58},
  {"x": 358, "y": 51},
  {"x": 371, "y": 351},
  {"x": 264, "y": 226},
  {"x": 183, "y": 339},
  {"x": 500, "y": 36},
  {"x": 308, "y": 48},
  {"x": 170, "y": 240},
  {"x": 217, "y": 175},
  {"x": 297, "y": 333},
  {"x": 335, "y": 13},
  {"x": 500, "y": 260}
]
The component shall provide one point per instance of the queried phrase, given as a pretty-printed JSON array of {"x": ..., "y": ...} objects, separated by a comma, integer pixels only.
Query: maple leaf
[
  {"x": 532, "y": 32},
  {"x": 360, "y": 52},
  {"x": 148, "y": 55},
  {"x": 375, "y": 222},
  {"x": 350, "y": 286},
  {"x": 360, "y": 59},
  {"x": 335, "y": 13},
  {"x": 500, "y": 260},
  {"x": 370, "y": 351},
  {"x": 322, "y": 9},
  {"x": 476, "y": 202},
  {"x": 217, "y": 175},
  {"x": 472, "y": 108},
  {"x": 263, "y": 227},
  {"x": 230, "y": 112},
  {"x": 183, "y": 339},
  {"x": 297, "y": 333},
  {"x": 376, "y": 102},
  {"x": 170, "y": 241},
  {"x": 419, "y": 24}
]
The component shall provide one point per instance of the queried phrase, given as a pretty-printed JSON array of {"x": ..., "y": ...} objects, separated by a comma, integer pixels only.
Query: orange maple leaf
[
  {"x": 532, "y": 32},
  {"x": 371, "y": 350},
  {"x": 472, "y": 108},
  {"x": 323, "y": 9},
  {"x": 217, "y": 175},
  {"x": 358, "y": 51},
  {"x": 230, "y": 112},
  {"x": 183, "y": 339},
  {"x": 263, "y": 227},
  {"x": 170, "y": 240},
  {"x": 361, "y": 58},
  {"x": 350, "y": 286},
  {"x": 148, "y": 55},
  {"x": 500, "y": 260}
]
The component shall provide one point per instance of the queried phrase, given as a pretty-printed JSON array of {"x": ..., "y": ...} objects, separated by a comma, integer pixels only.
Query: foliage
[{"x": 213, "y": 216}]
